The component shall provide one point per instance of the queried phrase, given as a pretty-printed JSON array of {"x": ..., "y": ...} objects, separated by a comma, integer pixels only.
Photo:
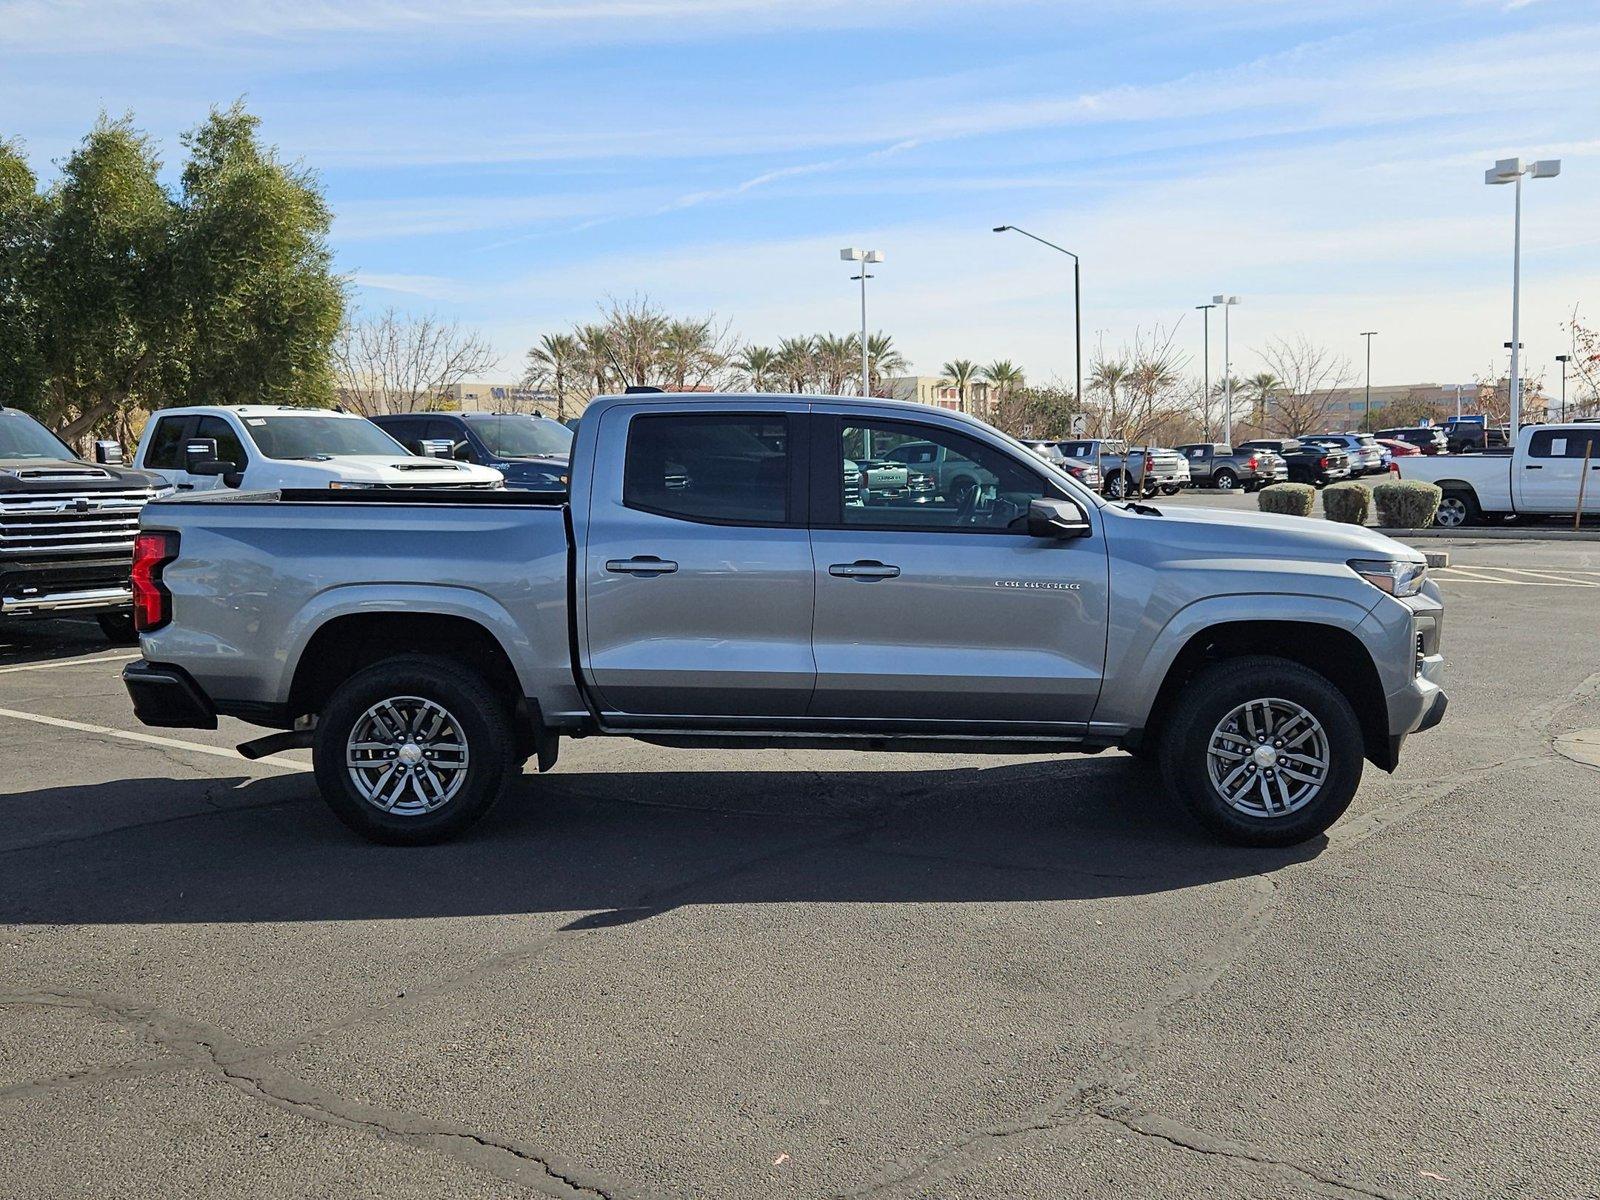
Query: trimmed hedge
[
  {"x": 1347, "y": 502},
  {"x": 1407, "y": 503},
  {"x": 1289, "y": 499}
]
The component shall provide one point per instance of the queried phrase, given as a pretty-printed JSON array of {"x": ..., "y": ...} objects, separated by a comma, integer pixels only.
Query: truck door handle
[
  {"x": 865, "y": 569},
  {"x": 641, "y": 564},
  {"x": 1531, "y": 467}
]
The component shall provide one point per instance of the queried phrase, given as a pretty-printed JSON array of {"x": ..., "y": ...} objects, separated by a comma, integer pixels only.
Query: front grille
[{"x": 62, "y": 523}]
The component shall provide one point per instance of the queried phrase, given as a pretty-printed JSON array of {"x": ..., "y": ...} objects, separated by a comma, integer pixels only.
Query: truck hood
[
  {"x": 69, "y": 475},
  {"x": 1220, "y": 531},
  {"x": 395, "y": 469}
]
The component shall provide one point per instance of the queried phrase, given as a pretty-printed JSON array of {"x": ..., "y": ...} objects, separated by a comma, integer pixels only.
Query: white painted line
[
  {"x": 150, "y": 739},
  {"x": 1460, "y": 575},
  {"x": 1565, "y": 578},
  {"x": 67, "y": 662}
]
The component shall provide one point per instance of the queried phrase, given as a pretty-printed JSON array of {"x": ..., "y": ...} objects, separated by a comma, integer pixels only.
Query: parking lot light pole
[
  {"x": 1563, "y": 359},
  {"x": 851, "y": 254},
  {"x": 1511, "y": 170},
  {"x": 1366, "y": 422},
  {"x": 1226, "y": 302},
  {"x": 1077, "y": 307},
  {"x": 1205, "y": 358}
]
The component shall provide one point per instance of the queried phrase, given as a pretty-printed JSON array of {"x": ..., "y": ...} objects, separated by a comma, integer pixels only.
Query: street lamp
[
  {"x": 1366, "y": 424},
  {"x": 851, "y": 254},
  {"x": 1227, "y": 302},
  {"x": 1511, "y": 170},
  {"x": 1563, "y": 359},
  {"x": 1205, "y": 357},
  {"x": 1077, "y": 305}
]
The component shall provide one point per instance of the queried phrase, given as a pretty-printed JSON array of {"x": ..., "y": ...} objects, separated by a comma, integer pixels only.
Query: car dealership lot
[{"x": 679, "y": 973}]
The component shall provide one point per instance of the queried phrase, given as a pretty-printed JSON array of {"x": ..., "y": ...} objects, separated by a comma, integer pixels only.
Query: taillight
[
  {"x": 1323, "y": 462},
  {"x": 152, "y": 602},
  {"x": 1251, "y": 463}
]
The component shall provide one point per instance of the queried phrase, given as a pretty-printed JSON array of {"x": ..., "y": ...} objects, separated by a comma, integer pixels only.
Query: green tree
[
  {"x": 130, "y": 297},
  {"x": 883, "y": 361},
  {"x": 553, "y": 363},
  {"x": 757, "y": 364}
]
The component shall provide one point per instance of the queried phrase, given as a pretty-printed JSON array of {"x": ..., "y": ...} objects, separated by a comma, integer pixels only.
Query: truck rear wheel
[
  {"x": 1457, "y": 508},
  {"x": 413, "y": 750},
  {"x": 1263, "y": 751}
]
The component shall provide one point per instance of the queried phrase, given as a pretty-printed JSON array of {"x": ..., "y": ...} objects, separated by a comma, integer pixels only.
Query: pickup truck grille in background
[{"x": 46, "y": 523}]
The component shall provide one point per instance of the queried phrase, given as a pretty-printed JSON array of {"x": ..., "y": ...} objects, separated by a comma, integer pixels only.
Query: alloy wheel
[
  {"x": 407, "y": 756},
  {"x": 1268, "y": 757},
  {"x": 1452, "y": 512}
]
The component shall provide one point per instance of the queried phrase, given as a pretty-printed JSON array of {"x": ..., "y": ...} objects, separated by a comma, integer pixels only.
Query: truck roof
[{"x": 254, "y": 410}]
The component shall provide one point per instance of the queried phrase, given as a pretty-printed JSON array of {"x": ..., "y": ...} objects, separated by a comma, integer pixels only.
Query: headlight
[
  {"x": 347, "y": 484},
  {"x": 1398, "y": 577}
]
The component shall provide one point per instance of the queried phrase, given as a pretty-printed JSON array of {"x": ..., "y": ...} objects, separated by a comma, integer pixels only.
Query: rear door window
[{"x": 711, "y": 467}]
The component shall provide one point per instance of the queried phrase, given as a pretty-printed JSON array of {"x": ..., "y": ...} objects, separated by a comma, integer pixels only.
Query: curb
[{"x": 1521, "y": 533}]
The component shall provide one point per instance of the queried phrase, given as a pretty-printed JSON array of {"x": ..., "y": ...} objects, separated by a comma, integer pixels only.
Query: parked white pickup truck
[
  {"x": 254, "y": 446},
  {"x": 1540, "y": 476}
]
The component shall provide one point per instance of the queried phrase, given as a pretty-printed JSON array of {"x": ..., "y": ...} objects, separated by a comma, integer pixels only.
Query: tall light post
[
  {"x": 1205, "y": 358},
  {"x": 1077, "y": 306},
  {"x": 1366, "y": 423},
  {"x": 864, "y": 257},
  {"x": 1563, "y": 359},
  {"x": 1226, "y": 302},
  {"x": 1511, "y": 170}
]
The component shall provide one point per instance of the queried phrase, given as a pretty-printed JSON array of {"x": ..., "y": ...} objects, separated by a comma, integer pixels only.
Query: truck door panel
[
  {"x": 697, "y": 566},
  {"x": 943, "y": 608}
]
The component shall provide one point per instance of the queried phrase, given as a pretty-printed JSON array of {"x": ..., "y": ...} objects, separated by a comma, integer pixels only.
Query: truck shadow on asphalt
[{"x": 615, "y": 845}]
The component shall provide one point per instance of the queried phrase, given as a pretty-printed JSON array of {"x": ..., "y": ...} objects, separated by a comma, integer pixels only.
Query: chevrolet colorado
[{"x": 704, "y": 582}]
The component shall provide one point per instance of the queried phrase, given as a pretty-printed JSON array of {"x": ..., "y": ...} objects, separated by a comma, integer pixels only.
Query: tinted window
[
  {"x": 405, "y": 430},
  {"x": 1565, "y": 443},
  {"x": 228, "y": 447},
  {"x": 915, "y": 453},
  {"x": 975, "y": 488},
  {"x": 166, "y": 444},
  {"x": 311, "y": 436},
  {"x": 709, "y": 467},
  {"x": 517, "y": 435}
]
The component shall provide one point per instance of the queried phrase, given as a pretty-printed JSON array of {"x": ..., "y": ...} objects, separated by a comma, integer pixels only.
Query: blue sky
[{"x": 513, "y": 162}]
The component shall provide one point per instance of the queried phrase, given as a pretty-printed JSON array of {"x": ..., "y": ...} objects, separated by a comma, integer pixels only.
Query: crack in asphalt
[{"x": 195, "y": 1046}]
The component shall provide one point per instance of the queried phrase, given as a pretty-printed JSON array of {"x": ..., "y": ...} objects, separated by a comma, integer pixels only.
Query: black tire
[
  {"x": 118, "y": 628},
  {"x": 1116, "y": 485},
  {"x": 1224, "y": 480},
  {"x": 484, "y": 725},
  {"x": 1209, "y": 699},
  {"x": 1170, "y": 489},
  {"x": 1457, "y": 507}
]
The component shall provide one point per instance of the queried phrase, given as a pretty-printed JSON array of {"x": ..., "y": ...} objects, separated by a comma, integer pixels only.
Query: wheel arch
[{"x": 1334, "y": 652}]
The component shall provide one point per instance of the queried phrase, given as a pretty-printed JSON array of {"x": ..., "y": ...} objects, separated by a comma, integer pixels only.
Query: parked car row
[{"x": 67, "y": 526}]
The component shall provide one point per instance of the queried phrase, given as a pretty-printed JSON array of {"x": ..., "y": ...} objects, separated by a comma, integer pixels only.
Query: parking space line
[
  {"x": 1458, "y": 574},
  {"x": 150, "y": 739},
  {"x": 68, "y": 662},
  {"x": 1565, "y": 577}
]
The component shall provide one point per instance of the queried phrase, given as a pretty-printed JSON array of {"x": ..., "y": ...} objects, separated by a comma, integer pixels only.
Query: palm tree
[
  {"x": 959, "y": 374},
  {"x": 756, "y": 363},
  {"x": 883, "y": 360},
  {"x": 1261, "y": 386},
  {"x": 554, "y": 360},
  {"x": 594, "y": 346},
  {"x": 1003, "y": 377},
  {"x": 688, "y": 353},
  {"x": 794, "y": 362},
  {"x": 837, "y": 359},
  {"x": 1107, "y": 376}
]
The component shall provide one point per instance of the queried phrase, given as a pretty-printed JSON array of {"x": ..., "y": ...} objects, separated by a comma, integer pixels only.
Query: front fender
[{"x": 1147, "y": 648}]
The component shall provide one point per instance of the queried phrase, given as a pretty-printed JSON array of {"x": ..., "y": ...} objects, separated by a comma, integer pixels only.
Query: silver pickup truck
[{"x": 705, "y": 583}]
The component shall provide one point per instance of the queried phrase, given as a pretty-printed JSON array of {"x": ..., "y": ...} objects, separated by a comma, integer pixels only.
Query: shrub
[
  {"x": 1407, "y": 504},
  {"x": 1290, "y": 499},
  {"x": 1346, "y": 502}
]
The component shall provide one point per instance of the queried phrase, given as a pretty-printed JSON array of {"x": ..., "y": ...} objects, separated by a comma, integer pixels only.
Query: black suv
[
  {"x": 1308, "y": 463},
  {"x": 67, "y": 527},
  {"x": 1430, "y": 439},
  {"x": 531, "y": 451}
]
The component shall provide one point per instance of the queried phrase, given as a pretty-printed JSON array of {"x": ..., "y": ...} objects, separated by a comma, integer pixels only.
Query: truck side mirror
[
  {"x": 432, "y": 447},
  {"x": 1049, "y": 517},
  {"x": 108, "y": 453},
  {"x": 199, "y": 450}
]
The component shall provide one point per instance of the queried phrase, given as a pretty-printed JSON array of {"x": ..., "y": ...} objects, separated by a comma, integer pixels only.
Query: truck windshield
[
  {"x": 23, "y": 437},
  {"x": 1076, "y": 449},
  {"x": 312, "y": 436},
  {"x": 521, "y": 436}
]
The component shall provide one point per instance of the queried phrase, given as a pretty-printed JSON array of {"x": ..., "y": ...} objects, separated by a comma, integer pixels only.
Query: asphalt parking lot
[{"x": 774, "y": 974}]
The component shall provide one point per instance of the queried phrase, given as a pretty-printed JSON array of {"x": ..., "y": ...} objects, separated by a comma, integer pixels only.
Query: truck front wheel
[
  {"x": 413, "y": 750},
  {"x": 1263, "y": 751}
]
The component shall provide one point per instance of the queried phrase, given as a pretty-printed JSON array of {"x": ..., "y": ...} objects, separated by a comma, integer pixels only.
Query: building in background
[
  {"x": 1395, "y": 404},
  {"x": 939, "y": 392}
]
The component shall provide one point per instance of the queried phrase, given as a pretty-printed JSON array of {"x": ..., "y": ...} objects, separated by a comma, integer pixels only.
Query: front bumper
[
  {"x": 34, "y": 586},
  {"x": 167, "y": 697}
]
